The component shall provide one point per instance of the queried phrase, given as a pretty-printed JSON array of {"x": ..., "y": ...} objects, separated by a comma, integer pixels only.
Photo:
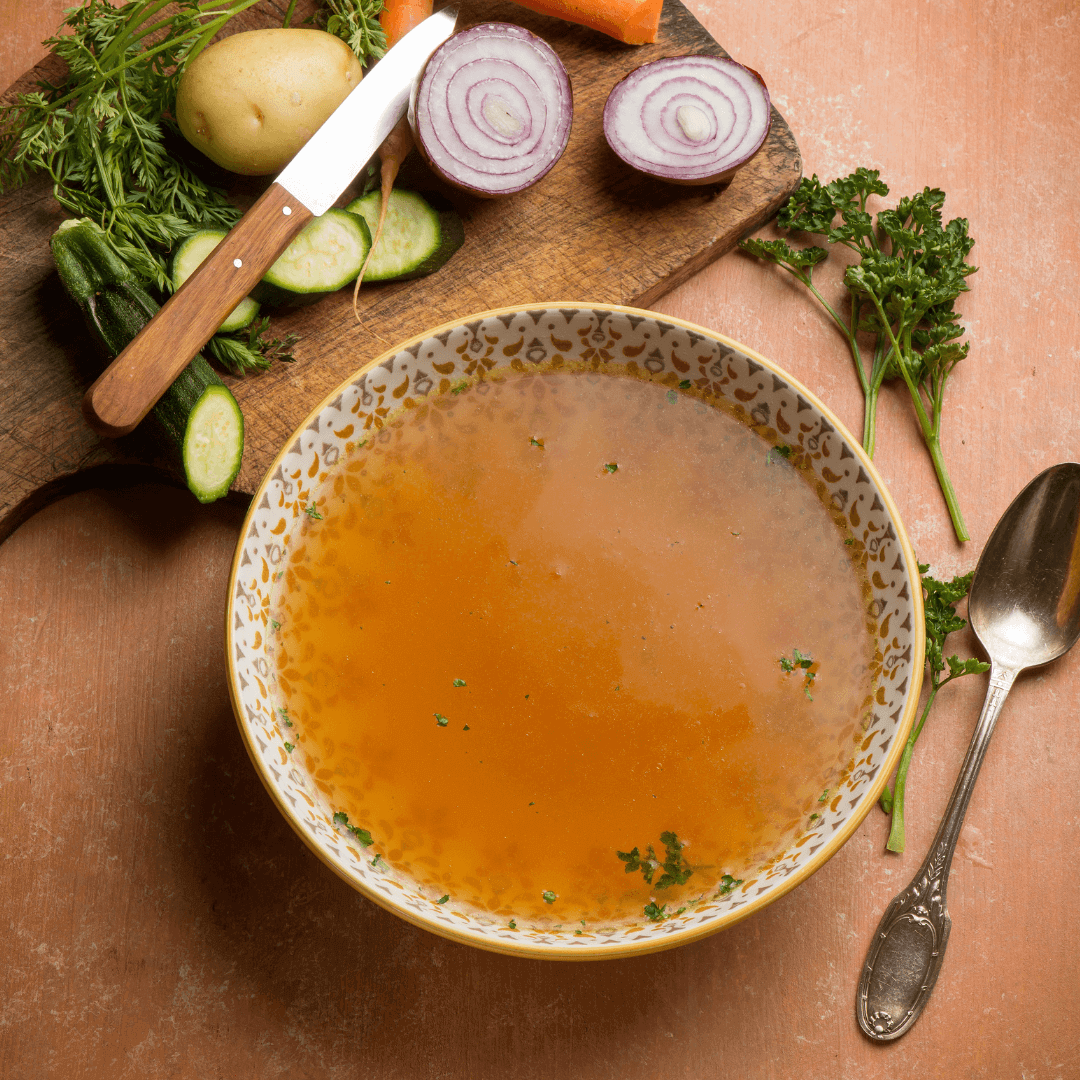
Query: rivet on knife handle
[{"x": 132, "y": 384}]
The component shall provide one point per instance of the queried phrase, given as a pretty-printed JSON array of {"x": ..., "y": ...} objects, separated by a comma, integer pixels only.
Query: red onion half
[
  {"x": 493, "y": 109},
  {"x": 688, "y": 119}
]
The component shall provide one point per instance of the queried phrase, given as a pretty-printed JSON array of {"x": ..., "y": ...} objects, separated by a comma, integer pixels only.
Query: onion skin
[
  {"x": 688, "y": 119},
  {"x": 492, "y": 112}
]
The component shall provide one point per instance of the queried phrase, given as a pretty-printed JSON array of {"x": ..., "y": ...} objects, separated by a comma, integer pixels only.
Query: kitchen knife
[{"x": 131, "y": 385}]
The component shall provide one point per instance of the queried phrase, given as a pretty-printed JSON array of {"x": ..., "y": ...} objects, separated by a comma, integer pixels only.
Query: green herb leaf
[
  {"x": 728, "y": 884},
  {"x": 939, "y": 607},
  {"x": 459, "y": 682},
  {"x": 911, "y": 268},
  {"x": 549, "y": 896},
  {"x": 312, "y": 512},
  {"x": 441, "y": 720},
  {"x": 443, "y": 899},
  {"x": 676, "y": 870},
  {"x": 612, "y": 466},
  {"x": 655, "y": 913},
  {"x": 356, "y": 22}
]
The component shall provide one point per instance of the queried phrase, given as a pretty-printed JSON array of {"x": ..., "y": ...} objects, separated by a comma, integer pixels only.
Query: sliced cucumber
[
  {"x": 197, "y": 418},
  {"x": 190, "y": 255},
  {"x": 416, "y": 240},
  {"x": 213, "y": 443},
  {"x": 324, "y": 257}
]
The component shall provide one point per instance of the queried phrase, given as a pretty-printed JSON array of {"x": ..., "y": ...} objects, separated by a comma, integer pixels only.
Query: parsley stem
[
  {"x": 896, "y": 831},
  {"x": 849, "y": 334},
  {"x": 929, "y": 428}
]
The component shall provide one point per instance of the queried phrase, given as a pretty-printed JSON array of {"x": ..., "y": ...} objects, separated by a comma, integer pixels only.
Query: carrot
[
  {"x": 397, "y": 18},
  {"x": 635, "y": 22}
]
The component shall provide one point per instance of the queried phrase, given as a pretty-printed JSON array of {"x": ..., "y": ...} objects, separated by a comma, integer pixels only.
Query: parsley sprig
[
  {"x": 939, "y": 599},
  {"x": 676, "y": 869},
  {"x": 912, "y": 267}
]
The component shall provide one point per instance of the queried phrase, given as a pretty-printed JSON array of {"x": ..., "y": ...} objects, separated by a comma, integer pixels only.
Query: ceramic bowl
[{"x": 604, "y": 337}]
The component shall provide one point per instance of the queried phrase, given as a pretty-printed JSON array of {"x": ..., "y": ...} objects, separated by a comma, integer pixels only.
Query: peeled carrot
[
  {"x": 635, "y": 22},
  {"x": 397, "y": 18}
]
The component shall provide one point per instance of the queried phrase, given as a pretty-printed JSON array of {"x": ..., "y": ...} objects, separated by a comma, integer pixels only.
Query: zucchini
[
  {"x": 417, "y": 239},
  {"x": 197, "y": 417},
  {"x": 324, "y": 256},
  {"x": 189, "y": 255}
]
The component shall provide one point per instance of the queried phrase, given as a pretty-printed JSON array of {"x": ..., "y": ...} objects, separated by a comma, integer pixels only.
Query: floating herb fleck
[
  {"x": 442, "y": 899},
  {"x": 512, "y": 924},
  {"x": 676, "y": 869},
  {"x": 612, "y": 466},
  {"x": 684, "y": 384},
  {"x": 289, "y": 748},
  {"x": 363, "y": 837},
  {"x": 728, "y": 884},
  {"x": 800, "y": 662},
  {"x": 463, "y": 385},
  {"x": 549, "y": 896},
  {"x": 459, "y": 682},
  {"x": 441, "y": 720},
  {"x": 533, "y": 441}
]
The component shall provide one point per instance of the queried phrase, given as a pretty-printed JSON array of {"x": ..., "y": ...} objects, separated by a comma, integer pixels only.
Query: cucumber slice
[
  {"x": 325, "y": 256},
  {"x": 416, "y": 240},
  {"x": 189, "y": 255},
  {"x": 213, "y": 444}
]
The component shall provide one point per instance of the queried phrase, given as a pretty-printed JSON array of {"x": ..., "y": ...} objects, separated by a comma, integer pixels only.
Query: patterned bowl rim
[{"x": 678, "y": 937}]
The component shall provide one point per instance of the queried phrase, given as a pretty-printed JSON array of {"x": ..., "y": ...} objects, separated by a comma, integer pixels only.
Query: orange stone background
[{"x": 159, "y": 917}]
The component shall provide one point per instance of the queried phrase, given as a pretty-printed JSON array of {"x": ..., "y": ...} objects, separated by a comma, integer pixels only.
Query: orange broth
[{"x": 542, "y": 624}]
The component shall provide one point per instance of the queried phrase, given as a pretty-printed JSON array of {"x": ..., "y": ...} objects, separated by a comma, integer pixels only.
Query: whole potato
[{"x": 250, "y": 101}]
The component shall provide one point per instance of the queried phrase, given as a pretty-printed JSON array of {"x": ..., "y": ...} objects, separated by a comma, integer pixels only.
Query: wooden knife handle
[{"x": 132, "y": 384}]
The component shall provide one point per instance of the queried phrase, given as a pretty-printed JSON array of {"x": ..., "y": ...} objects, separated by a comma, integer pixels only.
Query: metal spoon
[{"x": 1024, "y": 607}]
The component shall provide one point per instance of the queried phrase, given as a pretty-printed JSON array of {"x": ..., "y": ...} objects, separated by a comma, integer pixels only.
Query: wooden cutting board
[{"x": 591, "y": 231}]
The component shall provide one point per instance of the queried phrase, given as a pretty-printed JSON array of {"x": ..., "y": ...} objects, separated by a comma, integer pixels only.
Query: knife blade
[{"x": 308, "y": 186}]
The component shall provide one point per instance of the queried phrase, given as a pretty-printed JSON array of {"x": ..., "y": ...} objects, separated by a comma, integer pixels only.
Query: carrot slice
[{"x": 635, "y": 22}]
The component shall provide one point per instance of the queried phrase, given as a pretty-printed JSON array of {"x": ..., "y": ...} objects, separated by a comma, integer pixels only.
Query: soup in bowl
[{"x": 573, "y": 632}]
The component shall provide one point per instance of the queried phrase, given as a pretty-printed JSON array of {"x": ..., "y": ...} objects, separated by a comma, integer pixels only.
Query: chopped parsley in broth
[{"x": 587, "y": 580}]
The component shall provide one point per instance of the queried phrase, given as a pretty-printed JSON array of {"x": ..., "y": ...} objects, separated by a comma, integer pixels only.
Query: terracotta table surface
[{"x": 159, "y": 917}]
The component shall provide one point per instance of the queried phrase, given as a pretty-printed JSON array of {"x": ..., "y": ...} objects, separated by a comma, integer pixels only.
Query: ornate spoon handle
[{"x": 908, "y": 947}]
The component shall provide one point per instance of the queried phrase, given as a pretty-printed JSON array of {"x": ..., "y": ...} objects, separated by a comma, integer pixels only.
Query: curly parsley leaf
[{"x": 912, "y": 267}]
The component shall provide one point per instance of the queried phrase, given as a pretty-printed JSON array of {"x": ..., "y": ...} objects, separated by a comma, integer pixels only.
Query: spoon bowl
[
  {"x": 1024, "y": 607},
  {"x": 1025, "y": 599}
]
